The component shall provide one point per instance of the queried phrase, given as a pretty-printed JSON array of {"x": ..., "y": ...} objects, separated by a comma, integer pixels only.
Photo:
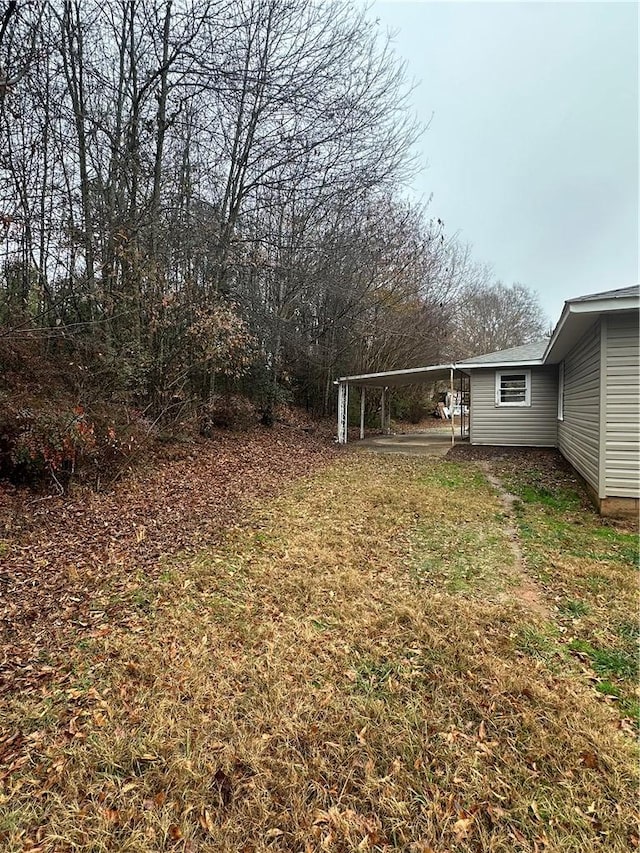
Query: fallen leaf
[
  {"x": 462, "y": 827},
  {"x": 589, "y": 759},
  {"x": 273, "y": 833},
  {"x": 175, "y": 833},
  {"x": 206, "y": 821}
]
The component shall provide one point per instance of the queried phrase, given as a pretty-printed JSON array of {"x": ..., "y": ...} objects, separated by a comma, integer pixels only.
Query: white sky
[{"x": 532, "y": 151}]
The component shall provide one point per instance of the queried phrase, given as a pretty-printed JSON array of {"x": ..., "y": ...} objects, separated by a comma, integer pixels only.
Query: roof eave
[
  {"x": 530, "y": 362},
  {"x": 596, "y": 307}
]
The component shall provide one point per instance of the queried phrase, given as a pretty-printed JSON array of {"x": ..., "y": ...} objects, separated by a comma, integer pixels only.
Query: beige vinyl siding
[
  {"x": 579, "y": 432},
  {"x": 527, "y": 426},
  {"x": 622, "y": 395}
]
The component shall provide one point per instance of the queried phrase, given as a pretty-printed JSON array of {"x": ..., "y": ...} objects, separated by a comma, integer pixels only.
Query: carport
[{"x": 456, "y": 379}]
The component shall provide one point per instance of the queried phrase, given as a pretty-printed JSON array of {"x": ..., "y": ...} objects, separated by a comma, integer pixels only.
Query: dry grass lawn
[{"x": 350, "y": 671}]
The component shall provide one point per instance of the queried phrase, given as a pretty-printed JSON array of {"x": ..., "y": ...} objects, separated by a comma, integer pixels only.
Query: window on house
[
  {"x": 561, "y": 391},
  {"x": 513, "y": 388}
]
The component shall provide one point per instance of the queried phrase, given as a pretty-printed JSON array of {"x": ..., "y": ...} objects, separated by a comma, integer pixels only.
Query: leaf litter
[{"x": 58, "y": 555}]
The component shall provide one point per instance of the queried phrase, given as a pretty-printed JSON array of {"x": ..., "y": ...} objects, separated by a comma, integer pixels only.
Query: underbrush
[
  {"x": 67, "y": 416},
  {"x": 44, "y": 441},
  {"x": 58, "y": 416}
]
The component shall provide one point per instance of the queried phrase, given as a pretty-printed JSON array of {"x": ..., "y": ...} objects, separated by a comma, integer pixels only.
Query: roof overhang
[
  {"x": 469, "y": 365},
  {"x": 576, "y": 319},
  {"x": 399, "y": 378}
]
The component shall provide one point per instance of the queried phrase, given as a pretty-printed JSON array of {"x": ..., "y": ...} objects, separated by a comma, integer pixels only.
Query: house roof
[
  {"x": 620, "y": 293},
  {"x": 579, "y": 314},
  {"x": 533, "y": 351}
]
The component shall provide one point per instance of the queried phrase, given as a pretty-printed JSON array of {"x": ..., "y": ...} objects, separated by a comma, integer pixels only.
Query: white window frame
[
  {"x": 561, "y": 391},
  {"x": 527, "y": 388}
]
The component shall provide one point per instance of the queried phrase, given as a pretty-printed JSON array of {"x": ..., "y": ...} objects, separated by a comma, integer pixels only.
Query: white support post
[
  {"x": 343, "y": 412},
  {"x": 453, "y": 426},
  {"x": 362, "y": 412},
  {"x": 383, "y": 407},
  {"x": 387, "y": 428}
]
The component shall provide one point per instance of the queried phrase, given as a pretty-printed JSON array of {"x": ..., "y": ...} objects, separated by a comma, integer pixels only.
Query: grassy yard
[
  {"x": 354, "y": 668},
  {"x": 588, "y": 568}
]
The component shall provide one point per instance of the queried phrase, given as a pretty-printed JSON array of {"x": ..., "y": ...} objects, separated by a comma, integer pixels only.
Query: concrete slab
[{"x": 434, "y": 442}]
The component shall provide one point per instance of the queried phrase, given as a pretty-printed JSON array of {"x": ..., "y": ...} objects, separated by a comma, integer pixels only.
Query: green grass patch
[
  {"x": 629, "y": 631},
  {"x": 454, "y": 475},
  {"x": 560, "y": 499},
  {"x": 573, "y": 607},
  {"x": 608, "y": 689},
  {"x": 373, "y": 676},
  {"x": 588, "y": 565},
  {"x": 473, "y": 558},
  {"x": 608, "y": 661},
  {"x": 622, "y": 543}
]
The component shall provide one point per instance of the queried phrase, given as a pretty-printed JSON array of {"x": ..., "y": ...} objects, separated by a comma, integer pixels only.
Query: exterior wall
[
  {"x": 579, "y": 432},
  {"x": 621, "y": 439},
  {"x": 527, "y": 426}
]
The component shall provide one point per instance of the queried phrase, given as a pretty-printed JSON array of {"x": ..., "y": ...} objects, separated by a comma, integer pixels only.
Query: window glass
[{"x": 513, "y": 388}]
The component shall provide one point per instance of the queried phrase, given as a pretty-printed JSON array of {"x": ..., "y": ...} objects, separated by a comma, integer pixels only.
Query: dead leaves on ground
[{"x": 57, "y": 554}]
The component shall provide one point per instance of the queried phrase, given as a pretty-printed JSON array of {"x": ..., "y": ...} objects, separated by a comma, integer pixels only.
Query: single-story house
[{"x": 578, "y": 390}]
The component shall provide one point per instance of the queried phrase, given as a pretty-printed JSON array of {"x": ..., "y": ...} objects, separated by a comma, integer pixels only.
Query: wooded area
[{"x": 205, "y": 196}]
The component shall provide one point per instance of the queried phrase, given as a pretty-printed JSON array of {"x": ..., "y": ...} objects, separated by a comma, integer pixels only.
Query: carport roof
[{"x": 398, "y": 378}]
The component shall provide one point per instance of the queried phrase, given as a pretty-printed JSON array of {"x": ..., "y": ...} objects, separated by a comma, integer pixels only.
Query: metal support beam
[
  {"x": 343, "y": 412},
  {"x": 383, "y": 408},
  {"x": 453, "y": 426},
  {"x": 387, "y": 427},
  {"x": 362, "y": 412}
]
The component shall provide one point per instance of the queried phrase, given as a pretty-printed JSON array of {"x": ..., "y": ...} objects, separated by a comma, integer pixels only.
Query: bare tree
[
  {"x": 230, "y": 168},
  {"x": 494, "y": 316}
]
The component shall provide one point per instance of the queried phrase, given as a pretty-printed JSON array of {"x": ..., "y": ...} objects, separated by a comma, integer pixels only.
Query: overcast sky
[{"x": 532, "y": 150}]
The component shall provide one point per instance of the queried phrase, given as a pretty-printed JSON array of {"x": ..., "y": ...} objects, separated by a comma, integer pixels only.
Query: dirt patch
[
  {"x": 543, "y": 458},
  {"x": 526, "y": 591}
]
